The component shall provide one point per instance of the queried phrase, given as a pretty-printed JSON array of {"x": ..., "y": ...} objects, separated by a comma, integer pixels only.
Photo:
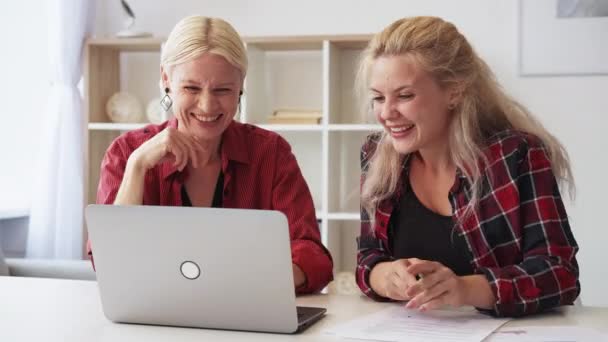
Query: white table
[
  {"x": 13, "y": 213},
  {"x": 35, "y": 309}
]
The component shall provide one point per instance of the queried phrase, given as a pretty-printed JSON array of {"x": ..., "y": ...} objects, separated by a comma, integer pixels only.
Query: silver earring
[{"x": 166, "y": 101}]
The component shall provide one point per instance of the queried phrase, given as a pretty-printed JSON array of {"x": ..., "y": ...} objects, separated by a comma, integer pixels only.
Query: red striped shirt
[{"x": 260, "y": 172}]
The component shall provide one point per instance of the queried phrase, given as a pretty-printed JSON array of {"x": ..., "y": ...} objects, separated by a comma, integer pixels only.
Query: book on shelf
[{"x": 294, "y": 116}]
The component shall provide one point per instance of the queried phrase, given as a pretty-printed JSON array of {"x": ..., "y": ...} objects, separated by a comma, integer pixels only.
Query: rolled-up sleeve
[
  {"x": 292, "y": 197},
  {"x": 370, "y": 252},
  {"x": 547, "y": 277},
  {"x": 110, "y": 177},
  {"x": 371, "y": 248}
]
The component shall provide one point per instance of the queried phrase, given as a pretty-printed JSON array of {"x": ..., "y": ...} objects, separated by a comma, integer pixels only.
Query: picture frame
[{"x": 563, "y": 37}]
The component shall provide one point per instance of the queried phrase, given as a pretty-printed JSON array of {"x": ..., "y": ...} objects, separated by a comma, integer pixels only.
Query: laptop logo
[{"x": 190, "y": 270}]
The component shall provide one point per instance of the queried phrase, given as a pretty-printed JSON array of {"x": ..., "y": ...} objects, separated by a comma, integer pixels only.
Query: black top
[
  {"x": 417, "y": 232},
  {"x": 217, "y": 195}
]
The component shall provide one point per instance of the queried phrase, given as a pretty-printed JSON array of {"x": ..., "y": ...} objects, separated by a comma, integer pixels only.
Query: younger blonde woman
[{"x": 460, "y": 197}]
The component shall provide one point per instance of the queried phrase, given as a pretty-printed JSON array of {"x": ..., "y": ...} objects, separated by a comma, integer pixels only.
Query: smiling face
[
  {"x": 205, "y": 93},
  {"x": 409, "y": 103}
]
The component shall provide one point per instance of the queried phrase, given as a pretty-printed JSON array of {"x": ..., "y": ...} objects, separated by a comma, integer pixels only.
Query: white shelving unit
[{"x": 309, "y": 72}]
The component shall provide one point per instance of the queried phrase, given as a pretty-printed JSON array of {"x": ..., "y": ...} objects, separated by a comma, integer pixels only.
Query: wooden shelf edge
[
  {"x": 343, "y": 216},
  {"x": 111, "y": 126}
]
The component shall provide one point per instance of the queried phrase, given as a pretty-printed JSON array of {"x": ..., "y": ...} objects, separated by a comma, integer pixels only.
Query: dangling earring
[{"x": 166, "y": 101}]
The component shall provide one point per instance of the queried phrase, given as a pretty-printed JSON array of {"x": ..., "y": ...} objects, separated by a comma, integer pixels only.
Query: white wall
[
  {"x": 574, "y": 108},
  {"x": 23, "y": 90}
]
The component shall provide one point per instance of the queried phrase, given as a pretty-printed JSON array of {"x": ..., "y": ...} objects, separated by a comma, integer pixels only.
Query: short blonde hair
[{"x": 195, "y": 35}]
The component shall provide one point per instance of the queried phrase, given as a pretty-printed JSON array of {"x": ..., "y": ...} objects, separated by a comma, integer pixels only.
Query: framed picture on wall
[{"x": 563, "y": 37}]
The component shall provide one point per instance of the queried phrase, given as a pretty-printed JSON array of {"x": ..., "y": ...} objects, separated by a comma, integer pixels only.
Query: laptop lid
[{"x": 194, "y": 267}]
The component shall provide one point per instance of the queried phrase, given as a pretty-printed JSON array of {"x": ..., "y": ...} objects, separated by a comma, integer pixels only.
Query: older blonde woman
[
  {"x": 460, "y": 200},
  {"x": 204, "y": 158}
]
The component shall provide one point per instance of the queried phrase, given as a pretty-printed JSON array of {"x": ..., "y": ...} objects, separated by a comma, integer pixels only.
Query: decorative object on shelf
[
  {"x": 295, "y": 116},
  {"x": 154, "y": 112},
  {"x": 128, "y": 32},
  {"x": 123, "y": 107}
]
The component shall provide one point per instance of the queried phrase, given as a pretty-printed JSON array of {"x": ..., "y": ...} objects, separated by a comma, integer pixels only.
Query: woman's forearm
[
  {"x": 131, "y": 191},
  {"x": 299, "y": 278},
  {"x": 478, "y": 292},
  {"x": 377, "y": 277}
]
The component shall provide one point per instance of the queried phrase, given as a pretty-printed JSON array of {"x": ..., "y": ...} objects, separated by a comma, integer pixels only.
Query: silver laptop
[{"x": 196, "y": 267}]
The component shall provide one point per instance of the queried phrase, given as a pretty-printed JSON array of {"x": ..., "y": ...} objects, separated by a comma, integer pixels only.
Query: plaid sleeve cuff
[
  {"x": 364, "y": 270},
  {"x": 509, "y": 302}
]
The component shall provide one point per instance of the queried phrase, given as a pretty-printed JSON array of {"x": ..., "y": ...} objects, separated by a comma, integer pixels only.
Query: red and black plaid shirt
[
  {"x": 260, "y": 172},
  {"x": 519, "y": 236}
]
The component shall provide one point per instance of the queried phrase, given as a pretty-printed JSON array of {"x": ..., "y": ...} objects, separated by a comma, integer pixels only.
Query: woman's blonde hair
[
  {"x": 483, "y": 108},
  {"x": 195, "y": 35}
]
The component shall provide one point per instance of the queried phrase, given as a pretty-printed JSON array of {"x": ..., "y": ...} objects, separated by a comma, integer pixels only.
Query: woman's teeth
[
  {"x": 204, "y": 118},
  {"x": 401, "y": 128}
]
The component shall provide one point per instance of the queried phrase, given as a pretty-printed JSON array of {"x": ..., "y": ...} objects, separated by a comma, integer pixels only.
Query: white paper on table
[
  {"x": 400, "y": 324},
  {"x": 547, "y": 334}
]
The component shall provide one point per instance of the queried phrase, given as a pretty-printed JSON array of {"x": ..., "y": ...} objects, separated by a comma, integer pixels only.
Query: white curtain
[{"x": 56, "y": 213}]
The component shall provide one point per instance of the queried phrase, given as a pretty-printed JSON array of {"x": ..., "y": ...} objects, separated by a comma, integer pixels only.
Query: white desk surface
[
  {"x": 13, "y": 213},
  {"x": 34, "y": 309}
]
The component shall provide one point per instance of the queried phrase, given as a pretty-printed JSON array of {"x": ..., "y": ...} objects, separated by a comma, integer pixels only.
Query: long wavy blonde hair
[{"x": 483, "y": 110}]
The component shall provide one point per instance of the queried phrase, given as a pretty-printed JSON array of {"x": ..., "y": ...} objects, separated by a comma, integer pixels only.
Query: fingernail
[
  {"x": 411, "y": 304},
  {"x": 423, "y": 308}
]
